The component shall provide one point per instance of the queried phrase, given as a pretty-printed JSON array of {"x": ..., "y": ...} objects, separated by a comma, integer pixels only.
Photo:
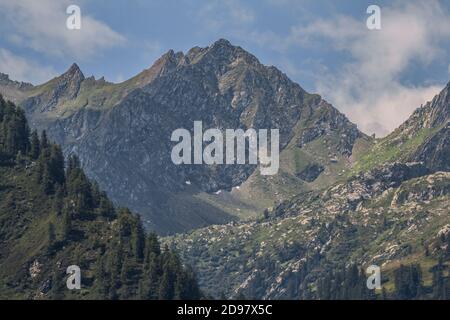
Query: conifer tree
[
  {"x": 101, "y": 282},
  {"x": 438, "y": 284},
  {"x": 66, "y": 225},
  {"x": 56, "y": 164},
  {"x": 138, "y": 240},
  {"x": 44, "y": 141},
  {"x": 57, "y": 284},
  {"x": 35, "y": 145},
  {"x": 51, "y": 235},
  {"x": 166, "y": 287}
]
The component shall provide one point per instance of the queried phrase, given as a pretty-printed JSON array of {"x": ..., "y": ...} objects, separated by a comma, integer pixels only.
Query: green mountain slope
[
  {"x": 383, "y": 210},
  {"x": 52, "y": 218},
  {"x": 121, "y": 133},
  {"x": 423, "y": 137}
]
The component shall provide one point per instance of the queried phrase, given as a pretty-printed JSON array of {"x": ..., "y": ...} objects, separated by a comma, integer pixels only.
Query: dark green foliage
[
  {"x": 35, "y": 146},
  {"x": 350, "y": 283},
  {"x": 14, "y": 132},
  {"x": 66, "y": 225},
  {"x": 56, "y": 164},
  {"x": 79, "y": 188},
  {"x": 51, "y": 235},
  {"x": 441, "y": 284},
  {"x": 152, "y": 246},
  {"x": 138, "y": 240},
  {"x": 343, "y": 284},
  {"x": 408, "y": 282},
  {"x": 50, "y": 163},
  {"x": 68, "y": 220},
  {"x": 57, "y": 285}
]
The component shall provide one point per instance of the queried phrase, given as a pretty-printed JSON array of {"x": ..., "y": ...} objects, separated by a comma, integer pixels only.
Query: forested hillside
[{"x": 52, "y": 216}]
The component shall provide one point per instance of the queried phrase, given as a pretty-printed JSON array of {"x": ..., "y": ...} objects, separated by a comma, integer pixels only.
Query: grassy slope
[
  {"x": 25, "y": 215},
  {"x": 228, "y": 254},
  {"x": 394, "y": 147}
]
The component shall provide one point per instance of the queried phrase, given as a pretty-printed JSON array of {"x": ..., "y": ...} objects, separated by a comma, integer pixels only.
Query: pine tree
[
  {"x": 35, "y": 146},
  {"x": 138, "y": 240},
  {"x": 66, "y": 228},
  {"x": 101, "y": 286},
  {"x": 51, "y": 236},
  {"x": 114, "y": 267},
  {"x": 152, "y": 246},
  {"x": 58, "y": 202},
  {"x": 47, "y": 183},
  {"x": 150, "y": 281},
  {"x": 186, "y": 287},
  {"x": 56, "y": 164},
  {"x": 166, "y": 288},
  {"x": 44, "y": 141},
  {"x": 57, "y": 284},
  {"x": 408, "y": 282},
  {"x": 438, "y": 285},
  {"x": 126, "y": 280}
]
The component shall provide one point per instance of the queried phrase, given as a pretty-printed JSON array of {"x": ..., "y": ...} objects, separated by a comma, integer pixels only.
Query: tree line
[{"x": 128, "y": 262}]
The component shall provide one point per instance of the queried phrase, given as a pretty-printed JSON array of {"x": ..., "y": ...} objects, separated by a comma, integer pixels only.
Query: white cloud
[
  {"x": 218, "y": 15},
  {"x": 368, "y": 89},
  {"x": 21, "y": 69},
  {"x": 41, "y": 26}
]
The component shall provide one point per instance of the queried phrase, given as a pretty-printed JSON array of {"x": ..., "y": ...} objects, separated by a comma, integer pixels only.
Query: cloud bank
[
  {"x": 41, "y": 26},
  {"x": 21, "y": 69},
  {"x": 369, "y": 87}
]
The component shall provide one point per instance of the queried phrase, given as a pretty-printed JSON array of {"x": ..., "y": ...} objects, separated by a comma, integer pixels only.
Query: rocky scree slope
[{"x": 388, "y": 212}]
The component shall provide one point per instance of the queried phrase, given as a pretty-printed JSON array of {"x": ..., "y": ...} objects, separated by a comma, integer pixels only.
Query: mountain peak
[
  {"x": 223, "y": 46},
  {"x": 74, "y": 72},
  {"x": 172, "y": 56},
  {"x": 222, "y": 43},
  {"x": 434, "y": 113},
  {"x": 5, "y": 80},
  {"x": 222, "y": 51},
  {"x": 4, "y": 77},
  {"x": 447, "y": 88}
]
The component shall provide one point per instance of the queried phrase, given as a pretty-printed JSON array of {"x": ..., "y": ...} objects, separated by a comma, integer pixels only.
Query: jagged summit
[
  {"x": 4, "y": 77},
  {"x": 431, "y": 115},
  {"x": 223, "y": 44},
  {"x": 74, "y": 72},
  {"x": 223, "y": 50},
  {"x": 5, "y": 80},
  {"x": 121, "y": 131}
]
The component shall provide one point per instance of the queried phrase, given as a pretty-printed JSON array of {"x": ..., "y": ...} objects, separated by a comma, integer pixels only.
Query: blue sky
[{"x": 376, "y": 77}]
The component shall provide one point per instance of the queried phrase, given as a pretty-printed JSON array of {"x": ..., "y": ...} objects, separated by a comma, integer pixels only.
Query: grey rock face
[
  {"x": 63, "y": 88},
  {"x": 435, "y": 152},
  {"x": 6, "y": 81},
  {"x": 435, "y": 117},
  {"x": 327, "y": 120},
  {"x": 11, "y": 90},
  {"x": 432, "y": 115},
  {"x": 121, "y": 132}
]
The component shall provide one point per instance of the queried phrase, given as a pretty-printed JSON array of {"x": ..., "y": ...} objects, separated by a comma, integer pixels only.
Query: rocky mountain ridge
[
  {"x": 121, "y": 132},
  {"x": 387, "y": 212}
]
